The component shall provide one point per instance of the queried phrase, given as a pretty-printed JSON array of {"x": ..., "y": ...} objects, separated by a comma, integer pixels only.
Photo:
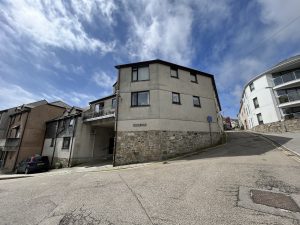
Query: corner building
[{"x": 163, "y": 111}]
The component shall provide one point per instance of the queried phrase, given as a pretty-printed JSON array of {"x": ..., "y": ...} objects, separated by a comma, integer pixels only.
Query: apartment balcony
[
  {"x": 289, "y": 100},
  {"x": 287, "y": 80},
  {"x": 102, "y": 114},
  {"x": 11, "y": 144}
]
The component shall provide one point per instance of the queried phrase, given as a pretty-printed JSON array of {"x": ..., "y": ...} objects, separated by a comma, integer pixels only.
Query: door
[{"x": 111, "y": 145}]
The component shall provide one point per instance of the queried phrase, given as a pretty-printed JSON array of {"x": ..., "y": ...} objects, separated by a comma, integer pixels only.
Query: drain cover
[{"x": 276, "y": 200}]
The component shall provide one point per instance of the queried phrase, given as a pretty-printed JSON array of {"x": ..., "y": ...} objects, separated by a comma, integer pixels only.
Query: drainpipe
[
  {"x": 21, "y": 140},
  {"x": 54, "y": 147},
  {"x": 74, "y": 131},
  {"x": 116, "y": 118}
]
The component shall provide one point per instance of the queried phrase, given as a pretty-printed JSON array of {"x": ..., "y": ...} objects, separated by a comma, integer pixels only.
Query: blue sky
[{"x": 67, "y": 50}]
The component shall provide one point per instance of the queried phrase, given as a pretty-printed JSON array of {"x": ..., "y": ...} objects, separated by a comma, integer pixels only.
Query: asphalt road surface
[{"x": 200, "y": 189}]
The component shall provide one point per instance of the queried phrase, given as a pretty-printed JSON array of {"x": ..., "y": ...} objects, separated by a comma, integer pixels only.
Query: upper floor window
[
  {"x": 196, "y": 101},
  {"x": 255, "y": 102},
  {"x": 113, "y": 103},
  {"x": 99, "y": 106},
  {"x": 140, "y": 73},
  {"x": 175, "y": 98},
  {"x": 72, "y": 121},
  {"x": 141, "y": 98},
  {"x": 259, "y": 118},
  {"x": 194, "y": 78},
  {"x": 174, "y": 72},
  {"x": 251, "y": 87}
]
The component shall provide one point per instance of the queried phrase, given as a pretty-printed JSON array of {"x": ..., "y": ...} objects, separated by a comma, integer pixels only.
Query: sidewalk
[{"x": 288, "y": 140}]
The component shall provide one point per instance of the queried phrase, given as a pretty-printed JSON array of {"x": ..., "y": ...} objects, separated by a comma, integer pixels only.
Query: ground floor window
[
  {"x": 66, "y": 143},
  {"x": 259, "y": 118}
]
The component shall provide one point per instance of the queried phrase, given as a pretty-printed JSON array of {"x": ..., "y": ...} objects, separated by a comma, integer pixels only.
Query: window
[
  {"x": 259, "y": 118},
  {"x": 251, "y": 87},
  {"x": 140, "y": 73},
  {"x": 174, "y": 72},
  {"x": 66, "y": 143},
  {"x": 176, "y": 98},
  {"x": 71, "y": 122},
  {"x": 255, "y": 101},
  {"x": 141, "y": 98},
  {"x": 196, "y": 101},
  {"x": 113, "y": 103},
  {"x": 99, "y": 107},
  {"x": 17, "y": 132},
  {"x": 194, "y": 78},
  {"x": 52, "y": 142}
]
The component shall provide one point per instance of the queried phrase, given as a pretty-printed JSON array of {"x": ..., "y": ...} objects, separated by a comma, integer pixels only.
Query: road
[{"x": 200, "y": 189}]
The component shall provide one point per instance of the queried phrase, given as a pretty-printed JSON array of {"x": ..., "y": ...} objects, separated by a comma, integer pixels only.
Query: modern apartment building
[
  {"x": 23, "y": 130},
  {"x": 272, "y": 96}
]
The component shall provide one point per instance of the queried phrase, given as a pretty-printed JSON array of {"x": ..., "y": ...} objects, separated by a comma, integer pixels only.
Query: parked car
[{"x": 33, "y": 164}]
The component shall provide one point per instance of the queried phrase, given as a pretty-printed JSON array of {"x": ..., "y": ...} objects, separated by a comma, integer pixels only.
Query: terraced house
[{"x": 23, "y": 129}]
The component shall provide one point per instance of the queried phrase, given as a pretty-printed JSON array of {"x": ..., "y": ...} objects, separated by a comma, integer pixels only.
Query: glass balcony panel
[
  {"x": 278, "y": 80},
  {"x": 288, "y": 77},
  {"x": 297, "y": 74},
  {"x": 283, "y": 99}
]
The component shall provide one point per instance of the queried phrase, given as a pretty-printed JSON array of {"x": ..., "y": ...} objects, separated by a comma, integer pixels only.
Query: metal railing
[
  {"x": 287, "y": 77},
  {"x": 101, "y": 113}
]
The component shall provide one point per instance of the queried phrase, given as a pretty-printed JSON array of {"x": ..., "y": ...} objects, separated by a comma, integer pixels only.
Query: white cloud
[
  {"x": 51, "y": 24},
  {"x": 282, "y": 18},
  {"x": 103, "y": 80},
  {"x": 13, "y": 95},
  {"x": 87, "y": 9},
  {"x": 162, "y": 30}
]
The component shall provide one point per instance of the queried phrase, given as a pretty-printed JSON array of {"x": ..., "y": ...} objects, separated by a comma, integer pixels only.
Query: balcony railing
[
  {"x": 98, "y": 115},
  {"x": 289, "y": 97},
  {"x": 287, "y": 77}
]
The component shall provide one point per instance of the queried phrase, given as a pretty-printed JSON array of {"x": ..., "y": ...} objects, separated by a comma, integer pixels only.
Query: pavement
[
  {"x": 288, "y": 140},
  {"x": 206, "y": 188}
]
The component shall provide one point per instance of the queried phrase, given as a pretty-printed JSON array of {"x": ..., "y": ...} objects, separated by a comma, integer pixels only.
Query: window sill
[
  {"x": 195, "y": 82},
  {"x": 175, "y": 77},
  {"x": 136, "y": 81},
  {"x": 137, "y": 106},
  {"x": 197, "y": 106},
  {"x": 175, "y": 103}
]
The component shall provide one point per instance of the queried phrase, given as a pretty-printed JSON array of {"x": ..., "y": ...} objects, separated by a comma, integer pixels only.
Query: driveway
[{"x": 201, "y": 189}]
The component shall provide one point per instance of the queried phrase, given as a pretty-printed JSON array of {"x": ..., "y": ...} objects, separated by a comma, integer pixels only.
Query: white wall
[{"x": 266, "y": 100}]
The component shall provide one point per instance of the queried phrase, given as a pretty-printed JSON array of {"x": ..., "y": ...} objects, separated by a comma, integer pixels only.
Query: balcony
[
  {"x": 101, "y": 114},
  {"x": 11, "y": 144},
  {"x": 287, "y": 80},
  {"x": 290, "y": 99}
]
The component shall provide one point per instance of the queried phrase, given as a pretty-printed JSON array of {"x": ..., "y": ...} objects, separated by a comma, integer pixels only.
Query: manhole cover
[{"x": 276, "y": 200}]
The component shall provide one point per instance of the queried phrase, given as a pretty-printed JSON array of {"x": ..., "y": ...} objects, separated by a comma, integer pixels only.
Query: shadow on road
[{"x": 239, "y": 143}]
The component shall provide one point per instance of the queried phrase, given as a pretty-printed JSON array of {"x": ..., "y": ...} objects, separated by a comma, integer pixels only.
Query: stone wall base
[
  {"x": 145, "y": 146},
  {"x": 279, "y": 127}
]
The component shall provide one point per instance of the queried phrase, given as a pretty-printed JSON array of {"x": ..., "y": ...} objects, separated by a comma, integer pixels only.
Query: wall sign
[{"x": 139, "y": 125}]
